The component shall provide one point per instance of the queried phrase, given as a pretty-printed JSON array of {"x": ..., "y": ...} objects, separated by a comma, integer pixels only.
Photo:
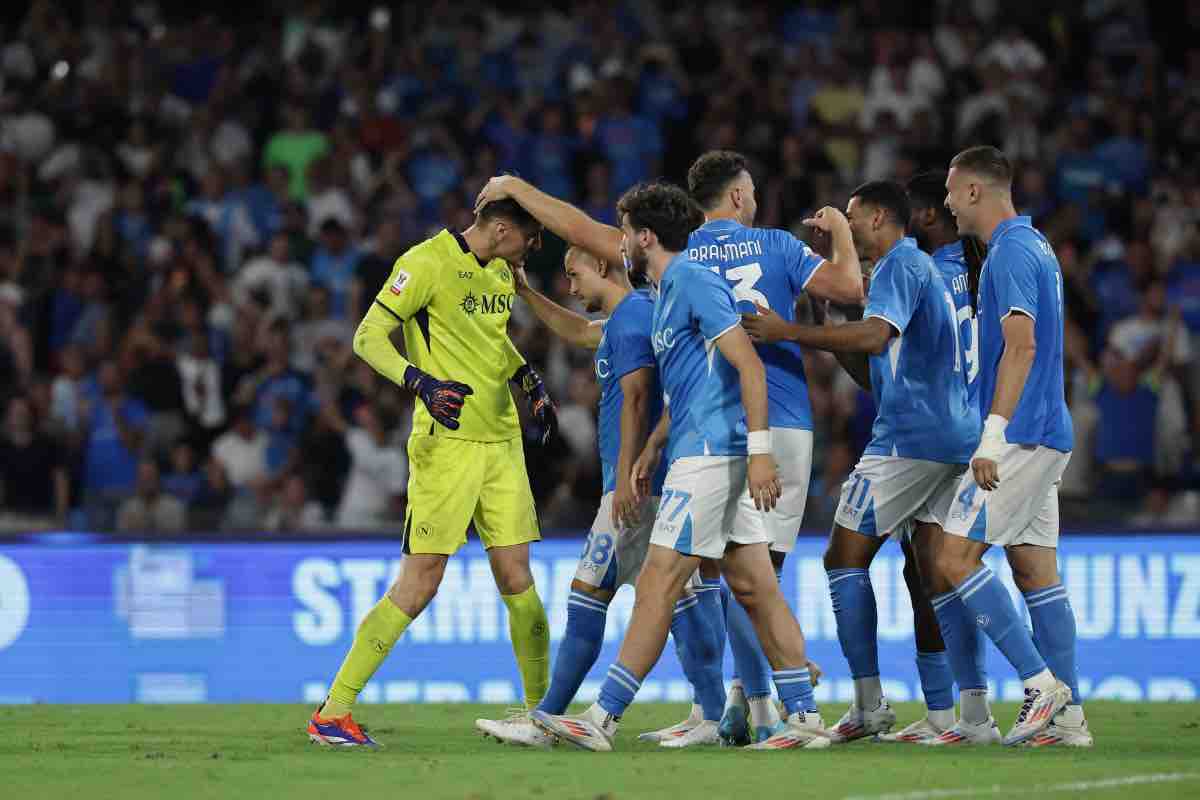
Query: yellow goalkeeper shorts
[{"x": 453, "y": 482}]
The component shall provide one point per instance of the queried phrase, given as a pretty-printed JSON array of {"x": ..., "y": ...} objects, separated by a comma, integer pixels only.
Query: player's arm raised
[
  {"x": 566, "y": 324},
  {"x": 839, "y": 277},
  {"x": 564, "y": 219},
  {"x": 761, "y": 471},
  {"x": 410, "y": 288},
  {"x": 636, "y": 387}
]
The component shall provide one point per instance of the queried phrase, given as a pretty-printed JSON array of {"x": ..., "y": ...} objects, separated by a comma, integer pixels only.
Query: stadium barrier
[{"x": 83, "y": 621}]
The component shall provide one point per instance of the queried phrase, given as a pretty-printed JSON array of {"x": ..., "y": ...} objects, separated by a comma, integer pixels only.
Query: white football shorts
[
  {"x": 884, "y": 493},
  {"x": 613, "y": 558},
  {"x": 706, "y": 506}
]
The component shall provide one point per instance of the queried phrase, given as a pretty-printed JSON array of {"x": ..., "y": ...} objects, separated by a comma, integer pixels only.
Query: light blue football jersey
[
  {"x": 1021, "y": 273},
  {"x": 951, "y": 262},
  {"x": 770, "y": 267},
  {"x": 918, "y": 383},
  {"x": 701, "y": 389},
  {"x": 624, "y": 347}
]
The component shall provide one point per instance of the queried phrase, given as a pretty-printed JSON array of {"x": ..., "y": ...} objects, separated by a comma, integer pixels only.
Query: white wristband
[
  {"x": 758, "y": 443},
  {"x": 993, "y": 427}
]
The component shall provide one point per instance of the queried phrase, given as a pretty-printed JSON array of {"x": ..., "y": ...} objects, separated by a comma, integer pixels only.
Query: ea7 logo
[{"x": 466, "y": 276}]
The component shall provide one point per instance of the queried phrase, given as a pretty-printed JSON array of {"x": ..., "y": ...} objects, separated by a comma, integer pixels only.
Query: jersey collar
[
  {"x": 466, "y": 248},
  {"x": 1007, "y": 225},
  {"x": 720, "y": 224},
  {"x": 947, "y": 251}
]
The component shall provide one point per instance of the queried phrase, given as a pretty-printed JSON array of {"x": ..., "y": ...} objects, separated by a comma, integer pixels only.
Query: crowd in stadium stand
[{"x": 194, "y": 213}]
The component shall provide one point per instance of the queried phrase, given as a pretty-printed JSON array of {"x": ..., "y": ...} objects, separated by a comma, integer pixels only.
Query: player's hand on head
[
  {"x": 497, "y": 188},
  {"x": 541, "y": 407},
  {"x": 765, "y": 326},
  {"x": 443, "y": 399},
  {"x": 762, "y": 476}
]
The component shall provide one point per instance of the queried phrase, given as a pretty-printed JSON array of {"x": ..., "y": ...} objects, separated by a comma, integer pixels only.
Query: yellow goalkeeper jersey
[{"x": 455, "y": 313}]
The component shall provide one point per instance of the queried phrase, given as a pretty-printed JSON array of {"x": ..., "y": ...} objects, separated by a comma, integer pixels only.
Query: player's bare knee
[{"x": 1033, "y": 568}]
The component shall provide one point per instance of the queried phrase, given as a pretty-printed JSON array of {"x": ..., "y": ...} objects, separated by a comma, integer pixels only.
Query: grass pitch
[{"x": 260, "y": 751}]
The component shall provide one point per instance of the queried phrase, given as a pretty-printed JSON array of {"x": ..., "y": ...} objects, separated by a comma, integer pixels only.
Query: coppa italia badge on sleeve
[{"x": 398, "y": 285}]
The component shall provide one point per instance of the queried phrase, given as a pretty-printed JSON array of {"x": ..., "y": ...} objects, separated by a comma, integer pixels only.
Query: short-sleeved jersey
[
  {"x": 455, "y": 316},
  {"x": 694, "y": 307},
  {"x": 625, "y": 347},
  {"x": 917, "y": 381},
  {"x": 1021, "y": 274},
  {"x": 951, "y": 262},
  {"x": 769, "y": 267}
]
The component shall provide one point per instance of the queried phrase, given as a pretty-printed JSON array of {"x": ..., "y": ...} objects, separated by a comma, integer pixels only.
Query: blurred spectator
[
  {"x": 335, "y": 264},
  {"x": 116, "y": 431},
  {"x": 295, "y": 147},
  {"x": 241, "y": 457},
  {"x": 33, "y": 472},
  {"x": 273, "y": 280},
  {"x": 184, "y": 482},
  {"x": 67, "y": 391},
  {"x": 293, "y": 510},
  {"x": 378, "y": 479},
  {"x": 276, "y": 378},
  {"x": 149, "y": 509}
]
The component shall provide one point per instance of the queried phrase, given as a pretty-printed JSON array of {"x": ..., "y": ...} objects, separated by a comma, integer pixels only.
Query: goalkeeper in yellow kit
[{"x": 452, "y": 295}]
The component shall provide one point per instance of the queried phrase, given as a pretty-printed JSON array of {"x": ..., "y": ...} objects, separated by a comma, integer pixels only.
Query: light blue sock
[
  {"x": 964, "y": 644},
  {"x": 988, "y": 603},
  {"x": 937, "y": 680},
  {"x": 857, "y": 620},
  {"x": 727, "y": 601},
  {"x": 748, "y": 657},
  {"x": 618, "y": 689},
  {"x": 699, "y": 652},
  {"x": 577, "y": 652},
  {"x": 710, "y": 657},
  {"x": 795, "y": 690},
  {"x": 1054, "y": 633}
]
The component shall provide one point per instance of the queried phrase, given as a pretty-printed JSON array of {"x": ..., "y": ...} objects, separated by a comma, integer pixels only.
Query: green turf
[{"x": 260, "y": 751}]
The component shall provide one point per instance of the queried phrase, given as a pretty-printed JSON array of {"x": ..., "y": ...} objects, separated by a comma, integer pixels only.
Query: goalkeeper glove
[
  {"x": 444, "y": 399},
  {"x": 545, "y": 415}
]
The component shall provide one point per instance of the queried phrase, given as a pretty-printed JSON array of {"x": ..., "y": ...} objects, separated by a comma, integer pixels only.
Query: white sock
[
  {"x": 763, "y": 713},
  {"x": 736, "y": 695},
  {"x": 973, "y": 706},
  {"x": 1044, "y": 681},
  {"x": 868, "y": 693},
  {"x": 1071, "y": 715},
  {"x": 942, "y": 718}
]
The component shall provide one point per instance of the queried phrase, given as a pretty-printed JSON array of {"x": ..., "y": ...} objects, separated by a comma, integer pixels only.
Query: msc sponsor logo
[
  {"x": 487, "y": 304},
  {"x": 603, "y": 370},
  {"x": 663, "y": 340}
]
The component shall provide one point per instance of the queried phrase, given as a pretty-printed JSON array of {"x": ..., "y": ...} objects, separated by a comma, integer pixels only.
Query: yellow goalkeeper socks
[
  {"x": 531, "y": 642},
  {"x": 380, "y": 629}
]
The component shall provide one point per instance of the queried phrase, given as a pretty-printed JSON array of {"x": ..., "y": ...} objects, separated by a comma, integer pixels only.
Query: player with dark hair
[
  {"x": 630, "y": 405},
  {"x": 907, "y": 351},
  {"x": 452, "y": 295}
]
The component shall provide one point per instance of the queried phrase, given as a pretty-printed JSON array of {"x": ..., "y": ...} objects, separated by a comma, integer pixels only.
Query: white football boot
[
  {"x": 677, "y": 730},
  {"x": 918, "y": 732},
  {"x": 1068, "y": 729},
  {"x": 704, "y": 733},
  {"x": 804, "y": 730},
  {"x": 1037, "y": 712},
  {"x": 858, "y": 724},
  {"x": 965, "y": 732},
  {"x": 593, "y": 730},
  {"x": 517, "y": 728}
]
